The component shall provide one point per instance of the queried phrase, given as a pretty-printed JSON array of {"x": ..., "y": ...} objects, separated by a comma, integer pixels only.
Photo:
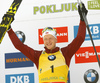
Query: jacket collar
[{"x": 51, "y": 51}]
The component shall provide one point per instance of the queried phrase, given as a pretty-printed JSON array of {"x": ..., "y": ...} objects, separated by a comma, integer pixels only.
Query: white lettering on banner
[
  {"x": 94, "y": 4},
  {"x": 58, "y": 34},
  {"x": 96, "y": 30},
  {"x": 40, "y": 36},
  {"x": 13, "y": 79},
  {"x": 53, "y": 8},
  {"x": 87, "y": 54},
  {"x": 93, "y": 30},
  {"x": 92, "y": 37},
  {"x": 26, "y": 79},
  {"x": 18, "y": 79},
  {"x": 61, "y": 34}
]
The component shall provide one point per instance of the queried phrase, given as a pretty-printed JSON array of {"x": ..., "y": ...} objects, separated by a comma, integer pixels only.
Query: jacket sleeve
[
  {"x": 32, "y": 54},
  {"x": 70, "y": 50}
]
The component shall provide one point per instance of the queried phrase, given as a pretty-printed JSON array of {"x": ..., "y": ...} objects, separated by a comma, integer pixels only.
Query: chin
[{"x": 49, "y": 48}]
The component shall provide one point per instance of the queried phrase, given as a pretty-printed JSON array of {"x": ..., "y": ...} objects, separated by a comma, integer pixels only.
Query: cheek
[
  {"x": 55, "y": 40},
  {"x": 44, "y": 42}
]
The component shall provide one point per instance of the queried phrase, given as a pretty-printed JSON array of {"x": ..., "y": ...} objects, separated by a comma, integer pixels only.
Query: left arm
[{"x": 70, "y": 50}]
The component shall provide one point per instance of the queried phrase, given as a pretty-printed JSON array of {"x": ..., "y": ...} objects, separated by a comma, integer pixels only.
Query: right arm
[{"x": 32, "y": 54}]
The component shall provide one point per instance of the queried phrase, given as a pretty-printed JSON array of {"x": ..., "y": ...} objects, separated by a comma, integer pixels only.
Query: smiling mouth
[{"x": 49, "y": 44}]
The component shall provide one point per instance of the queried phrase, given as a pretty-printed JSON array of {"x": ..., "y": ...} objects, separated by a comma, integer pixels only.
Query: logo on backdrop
[
  {"x": 20, "y": 78},
  {"x": 87, "y": 55},
  {"x": 16, "y": 60},
  {"x": 20, "y": 35},
  {"x": 94, "y": 5},
  {"x": 91, "y": 76},
  {"x": 94, "y": 29},
  {"x": 62, "y": 35},
  {"x": 53, "y": 8}
]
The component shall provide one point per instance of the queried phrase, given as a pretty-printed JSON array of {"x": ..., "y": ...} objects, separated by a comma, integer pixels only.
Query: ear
[{"x": 56, "y": 40}]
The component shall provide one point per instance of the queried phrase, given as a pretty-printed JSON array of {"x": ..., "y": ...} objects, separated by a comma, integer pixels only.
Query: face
[{"x": 49, "y": 41}]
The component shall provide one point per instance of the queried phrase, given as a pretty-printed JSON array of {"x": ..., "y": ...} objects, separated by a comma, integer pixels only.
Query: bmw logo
[
  {"x": 91, "y": 76},
  {"x": 20, "y": 35},
  {"x": 52, "y": 57}
]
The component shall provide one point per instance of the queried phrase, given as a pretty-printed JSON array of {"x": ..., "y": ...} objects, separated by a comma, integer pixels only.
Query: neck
[{"x": 51, "y": 50}]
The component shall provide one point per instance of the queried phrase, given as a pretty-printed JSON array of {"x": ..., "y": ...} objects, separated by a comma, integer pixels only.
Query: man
[{"x": 52, "y": 63}]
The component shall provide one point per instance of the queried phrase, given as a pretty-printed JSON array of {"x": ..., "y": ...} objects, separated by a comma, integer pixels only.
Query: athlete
[{"x": 52, "y": 63}]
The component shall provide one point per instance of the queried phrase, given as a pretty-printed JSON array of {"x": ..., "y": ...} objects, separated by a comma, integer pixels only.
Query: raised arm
[
  {"x": 32, "y": 54},
  {"x": 77, "y": 42},
  {"x": 70, "y": 50}
]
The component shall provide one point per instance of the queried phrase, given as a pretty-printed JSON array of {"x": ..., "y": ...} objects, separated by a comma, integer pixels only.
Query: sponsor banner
[
  {"x": 20, "y": 78},
  {"x": 94, "y": 4},
  {"x": 37, "y": 9},
  {"x": 15, "y": 60},
  {"x": 94, "y": 29},
  {"x": 87, "y": 55},
  {"x": 62, "y": 34}
]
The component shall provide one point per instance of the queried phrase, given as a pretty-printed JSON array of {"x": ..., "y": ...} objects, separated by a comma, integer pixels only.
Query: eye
[
  {"x": 45, "y": 39},
  {"x": 50, "y": 38}
]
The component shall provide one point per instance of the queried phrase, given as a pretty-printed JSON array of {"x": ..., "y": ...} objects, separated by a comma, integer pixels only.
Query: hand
[
  {"x": 6, "y": 18},
  {"x": 84, "y": 10},
  {"x": 9, "y": 28}
]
